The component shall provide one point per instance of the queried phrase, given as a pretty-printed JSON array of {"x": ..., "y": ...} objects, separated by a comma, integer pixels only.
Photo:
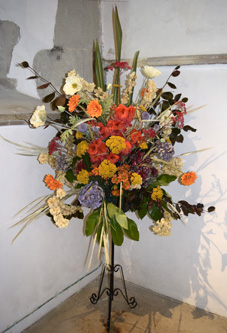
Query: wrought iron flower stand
[{"x": 111, "y": 291}]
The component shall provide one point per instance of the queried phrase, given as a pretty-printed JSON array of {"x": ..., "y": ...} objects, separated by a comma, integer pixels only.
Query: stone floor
[{"x": 154, "y": 314}]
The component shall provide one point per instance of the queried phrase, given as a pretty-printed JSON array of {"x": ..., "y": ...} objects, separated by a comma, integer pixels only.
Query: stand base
[{"x": 111, "y": 291}]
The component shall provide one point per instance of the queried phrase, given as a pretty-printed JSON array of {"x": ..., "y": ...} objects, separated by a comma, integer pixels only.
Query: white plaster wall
[
  {"x": 36, "y": 20},
  {"x": 191, "y": 264},
  {"x": 167, "y": 28},
  {"x": 44, "y": 259}
]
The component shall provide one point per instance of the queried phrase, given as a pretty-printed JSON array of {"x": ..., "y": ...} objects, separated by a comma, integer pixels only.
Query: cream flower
[
  {"x": 43, "y": 158},
  {"x": 72, "y": 85},
  {"x": 60, "y": 221},
  {"x": 166, "y": 118},
  {"x": 150, "y": 72},
  {"x": 39, "y": 116}
]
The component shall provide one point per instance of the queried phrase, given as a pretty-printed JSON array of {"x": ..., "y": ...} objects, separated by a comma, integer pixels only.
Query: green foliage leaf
[
  {"x": 70, "y": 176},
  {"x": 162, "y": 180},
  {"x": 132, "y": 231},
  {"x": 121, "y": 219},
  {"x": 99, "y": 68},
  {"x": 87, "y": 161},
  {"x": 143, "y": 208},
  {"x": 49, "y": 98},
  {"x": 112, "y": 209},
  {"x": 155, "y": 212},
  {"x": 116, "y": 232},
  {"x": 91, "y": 222},
  {"x": 179, "y": 138},
  {"x": 134, "y": 67}
]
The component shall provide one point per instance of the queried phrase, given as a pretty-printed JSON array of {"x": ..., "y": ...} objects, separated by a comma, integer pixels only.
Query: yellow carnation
[
  {"x": 83, "y": 176},
  {"x": 82, "y": 147},
  {"x": 107, "y": 169}
]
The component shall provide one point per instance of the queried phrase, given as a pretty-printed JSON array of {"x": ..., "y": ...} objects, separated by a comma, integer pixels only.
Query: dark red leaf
[
  {"x": 24, "y": 64},
  {"x": 211, "y": 209},
  {"x": 60, "y": 100},
  {"x": 171, "y": 85},
  {"x": 48, "y": 98},
  {"x": 175, "y": 73},
  {"x": 44, "y": 86},
  {"x": 32, "y": 77}
]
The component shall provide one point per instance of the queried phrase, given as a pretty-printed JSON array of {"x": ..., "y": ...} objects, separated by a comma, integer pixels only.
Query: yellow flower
[
  {"x": 82, "y": 147},
  {"x": 107, "y": 169},
  {"x": 157, "y": 193},
  {"x": 83, "y": 176},
  {"x": 136, "y": 181},
  {"x": 79, "y": 135},
  {"x": 116, "y": 144},
  {"x": 143, "y": 145}
]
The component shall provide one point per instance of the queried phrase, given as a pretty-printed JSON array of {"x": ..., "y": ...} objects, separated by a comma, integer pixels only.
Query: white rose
[
  {"x": 72, "y": 85},
  {"x": 39, "y": 116},
  {"x": 150, "y": 71}
]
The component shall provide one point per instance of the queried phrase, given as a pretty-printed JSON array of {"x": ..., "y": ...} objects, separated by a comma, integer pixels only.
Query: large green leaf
[
  {"x": 143, "y": 209},
  {"x": 122, "y": 219},
  {"x": 116, "y": 232},
  {"x": 132, "y": 231},
  {"x": 91, "y": 222},
  {"x": 70, "y": 176},
  {"x": 155, "y": 212},
  {"x": 162, "y": 180},
  {"x": 112, "y": 209}
]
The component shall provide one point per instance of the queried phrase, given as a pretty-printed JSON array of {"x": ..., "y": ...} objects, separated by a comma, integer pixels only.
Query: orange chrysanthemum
[
  {"x": 188, "y": 178},
  {"x": 52, "y": 183},
  {"x": 73, "y": 101},
  {"x": 94, "y": 109}
]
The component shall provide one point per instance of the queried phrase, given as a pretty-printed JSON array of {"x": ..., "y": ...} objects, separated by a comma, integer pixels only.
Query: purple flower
[
  {"x": 83, "y": 127},
  {"x": 145, "y": 115},
  {"x": 91, "y": 195},
  {"x": 165, "y": 150}
]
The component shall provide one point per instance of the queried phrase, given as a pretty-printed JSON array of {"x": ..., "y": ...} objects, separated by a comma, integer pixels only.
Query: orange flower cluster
[
  {"x": 52, "y": 183},
  {"x": 188, "y": 178},
  {"x": 123, "y": 175}
]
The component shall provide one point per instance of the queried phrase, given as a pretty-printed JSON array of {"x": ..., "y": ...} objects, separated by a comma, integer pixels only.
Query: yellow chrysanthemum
[
  {"x": 107, "y": 169},
  {"x": 157, "y": 193},
  {"x": 83, "y": 176},
  {"x": 116, "y": 144},
  {"x": 82, "y": 147}
]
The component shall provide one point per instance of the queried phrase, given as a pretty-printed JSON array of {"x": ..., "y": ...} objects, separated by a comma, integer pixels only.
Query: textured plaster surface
[{"x": 77, "y": 27}]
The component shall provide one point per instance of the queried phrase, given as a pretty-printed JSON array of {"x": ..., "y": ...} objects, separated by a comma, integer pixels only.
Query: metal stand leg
[{"x": 111, "y": 292}]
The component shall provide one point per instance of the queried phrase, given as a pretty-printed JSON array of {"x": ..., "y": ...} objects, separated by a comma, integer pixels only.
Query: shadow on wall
[{"x": 78, "y": 24}]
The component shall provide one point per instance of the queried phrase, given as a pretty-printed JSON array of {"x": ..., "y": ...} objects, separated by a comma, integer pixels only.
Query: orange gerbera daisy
[
  {"x": 188, "y": 178},
  {"x": 94, "y": 109},
  {"x": 52, "y": 183},
  {"x": 73, "y": 101}
]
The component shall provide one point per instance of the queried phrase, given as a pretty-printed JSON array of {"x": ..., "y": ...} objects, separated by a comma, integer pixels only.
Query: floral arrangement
[{"x": 111, "y": 153}]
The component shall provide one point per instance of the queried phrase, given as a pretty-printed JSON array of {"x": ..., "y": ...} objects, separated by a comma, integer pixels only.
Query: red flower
[
  {"x": 121, "y": 113},
  {"x": 113, "y": 158}
]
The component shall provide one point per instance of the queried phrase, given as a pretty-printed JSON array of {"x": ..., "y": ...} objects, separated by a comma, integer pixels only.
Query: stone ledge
[{"x": 16, "y": 108}]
